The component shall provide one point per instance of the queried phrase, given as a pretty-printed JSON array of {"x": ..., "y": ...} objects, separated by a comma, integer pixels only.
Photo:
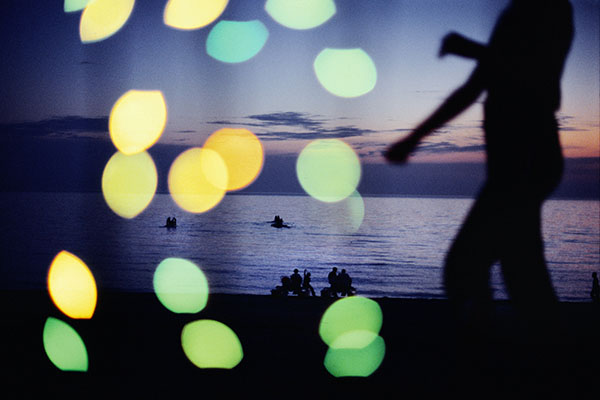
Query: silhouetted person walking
[{"x": 520, "y": 71}]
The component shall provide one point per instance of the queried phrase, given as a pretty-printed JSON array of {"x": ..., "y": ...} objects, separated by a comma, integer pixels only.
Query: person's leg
[
  {"x": 529, "y": 286},
  {"x": 526, "y": 277},
  {"x": 466, "y": 280},
  {"x": 468, "y": 262}
]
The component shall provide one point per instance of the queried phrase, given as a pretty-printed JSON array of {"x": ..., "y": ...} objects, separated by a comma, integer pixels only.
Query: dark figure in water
[
  {"x": 171, "y": 222},
  {"x": 520, "y": 71},
  {"x": 595, "y": 293}
]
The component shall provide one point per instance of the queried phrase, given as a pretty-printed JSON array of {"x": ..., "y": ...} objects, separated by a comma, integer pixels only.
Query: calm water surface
[{"x": 397, "y": 251}]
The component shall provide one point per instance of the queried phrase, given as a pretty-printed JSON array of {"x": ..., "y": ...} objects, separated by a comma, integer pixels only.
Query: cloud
[
  {"x": 567, "y": 123},
  {"x": 65, "y": 126},
  {"x": 447, "y": 147},
  {"x": 279, "y": 126}
]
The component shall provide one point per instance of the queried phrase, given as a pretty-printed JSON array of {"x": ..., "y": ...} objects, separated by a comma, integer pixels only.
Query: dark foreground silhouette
[
  {"x": 519, "y": 70},
  {"x": 135, "y": 352}
]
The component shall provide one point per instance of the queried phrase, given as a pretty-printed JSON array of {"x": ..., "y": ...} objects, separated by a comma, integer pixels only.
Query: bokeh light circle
[
  {"x": 129, "y": 183},
  {"x": 236, "y": 41},
  {"x": 346, "y": 216},
  {"x": 242, "y": 152},
  {"x": 355, "y": 354},
  {"x": 300, "y": 14},
  {"x": 197, "y": 178},
  {"x": 75, "y": 5},
  {"x": 137, "y": 120},
  {"x": 63, "y": 346},
  {"x": 346, "y": 72},
  {"x": 328, "y": 170},
  {"x": 349, "y": 314},
  {"x": 72, "y": 286},
  {"x": 211, "y": 344},
  {"x": 192, "y": 14},
  {"x": 180, "y": 286},
  {"x": 103, "y": 18}
]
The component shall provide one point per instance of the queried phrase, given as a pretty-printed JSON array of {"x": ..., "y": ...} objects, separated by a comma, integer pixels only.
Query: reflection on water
[{"x": 397, "y": 251}]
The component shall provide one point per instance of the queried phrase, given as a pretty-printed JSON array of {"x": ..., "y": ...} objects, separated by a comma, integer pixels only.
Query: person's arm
[
  {"x": 458, "y": 45},
  {"x": 456, "y": 103}
]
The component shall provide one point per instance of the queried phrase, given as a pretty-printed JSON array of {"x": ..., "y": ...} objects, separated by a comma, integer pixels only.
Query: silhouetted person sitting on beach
[
  {"x": 284, "y": 288},
  {"x": 332, "y": 278},
  {"x": 520, "y": 71},
  {"x": 345, "y": 284},
  {"x": 595, "y": 293},
  {"x": 296, "y": 282},
  {"x": 306, "y": 286}
]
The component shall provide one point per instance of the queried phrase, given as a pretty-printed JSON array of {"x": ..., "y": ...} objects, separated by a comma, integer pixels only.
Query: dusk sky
[{"x": 57, "y": 93}]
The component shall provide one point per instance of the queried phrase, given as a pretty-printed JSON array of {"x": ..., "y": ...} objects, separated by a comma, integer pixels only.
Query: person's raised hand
[
  {"x": 399, "y": 152},
  {"x": 452, "y": 43}
]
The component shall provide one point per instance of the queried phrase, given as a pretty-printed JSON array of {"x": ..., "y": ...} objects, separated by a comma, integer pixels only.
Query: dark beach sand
[{"x": 134, "y": 351}]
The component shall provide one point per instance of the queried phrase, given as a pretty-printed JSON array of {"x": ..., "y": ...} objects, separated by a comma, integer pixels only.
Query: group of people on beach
[
  {"x": 339, "y": 284},
  {"x": 294, "y": 284},
  {"x": 300, "y": 285}
]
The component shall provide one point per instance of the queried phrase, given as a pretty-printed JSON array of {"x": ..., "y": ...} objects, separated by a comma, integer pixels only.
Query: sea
[{"x": 390, "y": 246}]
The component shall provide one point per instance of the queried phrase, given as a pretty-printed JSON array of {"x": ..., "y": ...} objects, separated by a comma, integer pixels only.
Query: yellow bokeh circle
[
  {"x": 137, "y": 120},
  {"x": 192, "y": 14},
  {"x": 242, "y": 152},
  {"x": 129, "y": 183},
  {"x": 197, "y": 179},
  {"x": 72, "y": 286},
  {"x": 103, "y": 18}
]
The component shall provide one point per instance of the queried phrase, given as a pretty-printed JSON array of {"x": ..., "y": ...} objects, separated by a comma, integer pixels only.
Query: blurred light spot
[
  {"x": 242, "y": 152},
  {"x": 355, "y": 210},
  {"x": 348, "y": 214},
  {"x": 180, "y": 286},
  {"x": 129, "y": 183},
  {"x": 192, "y": 14},
  {"x": 211, "y": 344},
  {"x": 196, "y": 179},
  {"x": 236, "y": 41},
  {"x": 103, "y": 18},
  {"x": 328, "y": 170},
  {"x": 354, "y": 340},
  {"x": 137, "y": 120},
  {"x": 72, "y": 286},
  {"x": 357, "y": 354},
  {"x": 75, "y": 5},
  {"x": 300, "y": 14},
  {"x": 349, "y": 314},
  {"x": 346, "y": 72},
  {"x": 64, "y": 347}
]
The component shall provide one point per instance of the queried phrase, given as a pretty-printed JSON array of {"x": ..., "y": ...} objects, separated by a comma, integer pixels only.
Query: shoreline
[{"x": 133, "y": 344}]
